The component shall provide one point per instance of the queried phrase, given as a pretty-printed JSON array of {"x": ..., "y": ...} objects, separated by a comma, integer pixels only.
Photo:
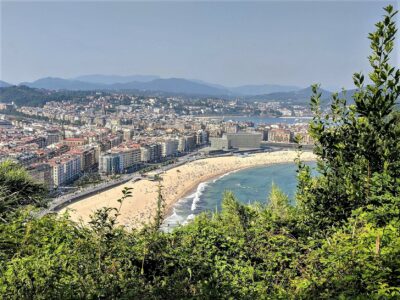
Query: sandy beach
[{"x": 177, "y": 183}]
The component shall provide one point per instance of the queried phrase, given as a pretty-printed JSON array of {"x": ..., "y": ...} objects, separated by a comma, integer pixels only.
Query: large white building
[
  {"x": 119, "y": 159},
  {"x": 181, "y": 144},
  {"x": 201, "y": 137},
  {"x": 129, "y": 157},
  {"x": 144, "y": 154},
  {"x": 240, "y": 140},
  {"x": 169, "y": 147},
  {"x": 65, "y": 169}
]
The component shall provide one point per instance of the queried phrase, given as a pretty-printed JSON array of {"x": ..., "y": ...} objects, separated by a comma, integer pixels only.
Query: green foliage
[
  {"x": 359, "y": 259},
  {"x": 23, "y": 95},
  {"x": 341, "y": 240},
  {"x": 279, "y": 203},
  {"x": 160, "y": 212},
  {"x": 17, "y": 189},
  {"x": 356, "y": 144}
]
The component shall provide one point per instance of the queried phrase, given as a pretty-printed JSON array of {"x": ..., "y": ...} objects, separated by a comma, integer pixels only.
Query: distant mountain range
[
  {"x": 111, "y": 79},
  {"x": 240, "y": 90},
  {"x": 4, "y": 84},
  {"x": 153, "y": 83},
  {"x": 297, "y": 96},
  {"x": 252, "y": 90},
  {"x": 53, "y": 83},
  {"x": 170, "y": 85}
]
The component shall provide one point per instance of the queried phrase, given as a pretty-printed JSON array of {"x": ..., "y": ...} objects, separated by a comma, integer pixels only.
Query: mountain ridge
[
  {"x": 111, "y": 79},
  {"x": 153, "y": 83},
  {"x": 4, "y": 84}
]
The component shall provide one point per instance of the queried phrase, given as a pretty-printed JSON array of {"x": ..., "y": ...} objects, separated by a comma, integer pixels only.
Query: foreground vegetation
[{"x": 340, "y": 241}]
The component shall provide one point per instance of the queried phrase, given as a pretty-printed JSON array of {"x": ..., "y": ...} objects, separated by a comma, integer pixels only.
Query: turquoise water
[{"x": 248, "y": 185}]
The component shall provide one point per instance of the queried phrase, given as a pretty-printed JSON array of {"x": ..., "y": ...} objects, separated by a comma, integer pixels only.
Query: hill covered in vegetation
[
  {"x": 340, "y": 241},
  {"x": 23, "y": 95}
]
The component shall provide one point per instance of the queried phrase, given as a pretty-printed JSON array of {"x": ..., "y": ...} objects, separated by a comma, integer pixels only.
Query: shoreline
[
  {"x": 177, "y": 183},
  {"x": 193, "y": 189},
  {"x": 214, "y": 178}
]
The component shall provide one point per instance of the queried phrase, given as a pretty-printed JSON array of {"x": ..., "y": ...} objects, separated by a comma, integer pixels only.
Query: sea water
[
  {"x": 248, "y": 186},
  {"x": 268, "y": 120}
]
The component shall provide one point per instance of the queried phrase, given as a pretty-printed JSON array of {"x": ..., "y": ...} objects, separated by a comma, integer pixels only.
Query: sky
[{"x": 229, "y": 43}]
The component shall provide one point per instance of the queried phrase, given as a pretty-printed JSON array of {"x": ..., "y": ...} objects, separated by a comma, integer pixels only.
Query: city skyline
[{"x": 241, "y": 43}]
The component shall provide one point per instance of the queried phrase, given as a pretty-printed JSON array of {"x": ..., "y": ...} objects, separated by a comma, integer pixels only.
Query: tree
[
  {"x": 17, "y": 189},
  {"x": 357, "y": 146}
]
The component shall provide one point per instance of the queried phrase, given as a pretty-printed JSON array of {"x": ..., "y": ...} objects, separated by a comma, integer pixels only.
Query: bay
[{"x": 248, "y": 186}]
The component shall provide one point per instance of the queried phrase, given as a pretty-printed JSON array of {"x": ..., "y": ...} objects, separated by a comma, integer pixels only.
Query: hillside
[
  {"x": 171, "y": 85},
  {"x": 301, "y": 96},
  {"x": 52, "y": 83},
  {"x": 253, "y": 90},
  {"x": 4, "y": 84},
  {"x": 23, "y": 95},
  {"x": 111, "y": 79},
  {"x": 149, "y": 83}
]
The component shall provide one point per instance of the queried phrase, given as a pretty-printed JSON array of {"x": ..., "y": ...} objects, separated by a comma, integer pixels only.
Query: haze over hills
[
  {"x": 292, "y": 96},
  {"x": 53, "y": 83},
  {"x": 154, "y": 83},
  {"x": 111, "y": 79},
  {"x": 253, "y": 89},
  {"x": 4, "y": 84},
  {"x": 24, "y": 95},
  {"x": 173, "y": 85}
]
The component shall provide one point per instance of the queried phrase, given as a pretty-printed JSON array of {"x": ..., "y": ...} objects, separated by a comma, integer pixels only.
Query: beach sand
[{"x": 177, "y": 183}]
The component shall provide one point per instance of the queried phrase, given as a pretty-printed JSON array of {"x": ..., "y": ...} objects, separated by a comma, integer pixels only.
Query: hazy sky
[{"x": 230, "y": 43}]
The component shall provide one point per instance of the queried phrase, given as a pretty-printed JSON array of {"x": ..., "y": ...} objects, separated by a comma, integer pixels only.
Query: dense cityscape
[{"x": 113, "y": 134}]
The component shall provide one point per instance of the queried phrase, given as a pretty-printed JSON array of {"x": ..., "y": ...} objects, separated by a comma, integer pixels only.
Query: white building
[
  {"x": 128, "y": 157},
  {"x": 65, "y": 169},
  {"x": 144, "y": 154},
  {"x": 169, "y": 147}
]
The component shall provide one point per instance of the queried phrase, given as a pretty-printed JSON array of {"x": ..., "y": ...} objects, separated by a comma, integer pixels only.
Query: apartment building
[
  {"x": 169, "y": 147},
  {"x": 190, "y": 142},
  {"x": 87, "y": 156},
  {"x": 279, "y": 135},
  {"x": 144, "y": 153},
  {"x": 109, "y": 163},
  {"x": 65, "y": 169},
  {"x": 53, "y": 137},
  {"x": 201, "y": 137},
  {"x": 155, "y": 152},
  {"x": 129, "y": 157},
  {"x": 74, "y": 142}
]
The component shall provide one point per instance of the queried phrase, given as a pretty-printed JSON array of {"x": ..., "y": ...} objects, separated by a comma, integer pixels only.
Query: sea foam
[
  {"x": 176, "y": 217},
  {"x": 196, "y": 196}
]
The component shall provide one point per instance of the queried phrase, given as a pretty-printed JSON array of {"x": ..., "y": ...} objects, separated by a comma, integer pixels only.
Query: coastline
[
  {"x": 195, "y": 185},
  {"x": 177, "y": 184}
]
